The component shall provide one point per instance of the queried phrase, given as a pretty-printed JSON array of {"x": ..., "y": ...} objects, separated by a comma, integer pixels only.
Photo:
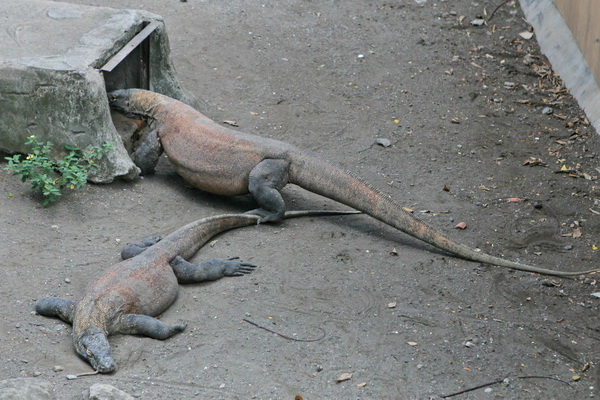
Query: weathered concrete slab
[
  {"x": 558, "y": 44},
  {"x": 50, "y": 82},
  {"x": 26, "y": 389}
]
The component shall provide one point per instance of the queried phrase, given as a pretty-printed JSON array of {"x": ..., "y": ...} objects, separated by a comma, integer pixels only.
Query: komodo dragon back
[{"x": 227, "y": 162}]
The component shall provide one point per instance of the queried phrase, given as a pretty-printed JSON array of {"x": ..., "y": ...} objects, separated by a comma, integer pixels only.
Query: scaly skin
[
  {"x": 227, "y": 162},
  {"x": 127, "y": 295}
]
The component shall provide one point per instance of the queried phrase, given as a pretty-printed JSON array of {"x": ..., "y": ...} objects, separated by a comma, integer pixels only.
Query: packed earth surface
[{"x": 446, "y": 106}]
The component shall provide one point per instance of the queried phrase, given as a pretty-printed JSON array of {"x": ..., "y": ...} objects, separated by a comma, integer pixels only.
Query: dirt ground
[{"x": 462, "y": 107}]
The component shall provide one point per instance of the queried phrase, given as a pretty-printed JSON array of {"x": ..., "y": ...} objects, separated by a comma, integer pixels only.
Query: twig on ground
[
  {"x": 285, "y": 336},
  {"x": 496, "y": 9},
  {"x": 500, "y": 381}
]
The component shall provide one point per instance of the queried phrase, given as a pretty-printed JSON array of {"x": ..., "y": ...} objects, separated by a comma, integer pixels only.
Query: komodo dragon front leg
[
  {"x": 187, "y": 272},
  {"x": 148, "y": 153},
  {"x": 56, "y": 307}
]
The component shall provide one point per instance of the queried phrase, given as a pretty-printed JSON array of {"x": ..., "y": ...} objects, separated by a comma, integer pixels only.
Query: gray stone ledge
[{"x": 50, "y": 82}]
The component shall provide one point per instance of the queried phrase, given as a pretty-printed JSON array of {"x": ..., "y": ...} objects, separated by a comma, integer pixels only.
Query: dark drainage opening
[{"x": 130, "y": 67}]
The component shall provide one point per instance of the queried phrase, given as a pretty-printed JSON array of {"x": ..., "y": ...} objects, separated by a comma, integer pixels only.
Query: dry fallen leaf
[
  {"x": 408, "y": 210},
  {"x": 446, "y": 188},
  {"x": 344, "y": 377},
  {"x": 575, "y": 234},
  {"x": 585, "y": 367},
  {"x": 411, "y": 343},
  {"x": 514, "y": 200},
  {"x": 362, "y": 384},
  {"x": 486, "y": 188},
  {"x": 534, "y": 161},
  {"x": 461, "y": 225}
]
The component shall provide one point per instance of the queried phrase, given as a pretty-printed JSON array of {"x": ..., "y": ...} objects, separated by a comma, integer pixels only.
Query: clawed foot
[
  {"x": 233, "y": 266},
  {"x": 266, "y": 216},
  {"x": 210, "y": 270},
  {"x": 133, "y": 249}
]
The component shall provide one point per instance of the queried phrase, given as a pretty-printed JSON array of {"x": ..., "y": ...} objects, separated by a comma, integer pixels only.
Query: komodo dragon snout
[{"x": 93, "y": 346}]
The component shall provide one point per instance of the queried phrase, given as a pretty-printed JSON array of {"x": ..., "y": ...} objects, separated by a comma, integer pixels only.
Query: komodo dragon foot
[{"x": 131, "y": 250}]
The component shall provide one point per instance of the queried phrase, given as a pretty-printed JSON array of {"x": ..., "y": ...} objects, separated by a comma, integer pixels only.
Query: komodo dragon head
[
  {"x": 133, "y": 103},
  {"x": 92, "y": 345}
]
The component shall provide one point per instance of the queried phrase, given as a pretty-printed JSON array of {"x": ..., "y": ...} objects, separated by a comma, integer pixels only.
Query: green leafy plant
[{"x": 50, "y": 176}]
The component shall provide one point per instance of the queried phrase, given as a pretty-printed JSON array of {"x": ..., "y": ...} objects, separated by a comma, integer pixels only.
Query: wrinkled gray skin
[
  {"x": 127, "y": 296},
  {"x": 223, "y": 161}
]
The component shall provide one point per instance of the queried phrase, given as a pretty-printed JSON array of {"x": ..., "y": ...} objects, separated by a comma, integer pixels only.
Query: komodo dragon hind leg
[
  {"x": 210, "y": 270},
  {"x": 56, "y": 307},
  {"x": 136, "y": 324},
  {"x": 147, "y": 155},
  {"x": 133, "y": 249},
  {"x": 266, "y": 180}
]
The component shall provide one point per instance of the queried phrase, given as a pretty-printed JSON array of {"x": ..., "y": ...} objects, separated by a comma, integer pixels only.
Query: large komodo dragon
[
  {"x": 126, "y": 297},
  {"x": 227, "y": 162}
]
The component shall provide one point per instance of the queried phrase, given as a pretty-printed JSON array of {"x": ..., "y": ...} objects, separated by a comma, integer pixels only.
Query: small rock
[
  {"x": 547, "y": 110},
  {"x": 67, "y": 280},
  {"x": 344, "y": 377},
  {"x": 383, "y": 142},
  {"x": 360, "y": 56},
  {"x": 58, "y": 368},
  {"x": 568, "y": 247},
  {"x": 488, "y": 390},
  {"x": 71, "y": 377},
  {"x": 102, "y": 391},
  {"x": 478, "y": 22},
  {"x": 469, "y": 344},
  {"x": 526, "y": 35}
]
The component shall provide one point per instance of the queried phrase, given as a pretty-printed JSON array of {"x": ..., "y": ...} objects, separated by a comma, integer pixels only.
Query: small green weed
[{"x": 50, "y": 176}]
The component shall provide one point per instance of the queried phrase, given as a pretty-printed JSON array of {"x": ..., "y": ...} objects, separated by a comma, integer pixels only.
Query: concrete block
[{"x": 52, "y": 85}]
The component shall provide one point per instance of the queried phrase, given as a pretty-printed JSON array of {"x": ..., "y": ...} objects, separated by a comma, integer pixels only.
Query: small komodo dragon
[
  {"x": 126, "y": 297},
  {"x": 223, "y": 161}
]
